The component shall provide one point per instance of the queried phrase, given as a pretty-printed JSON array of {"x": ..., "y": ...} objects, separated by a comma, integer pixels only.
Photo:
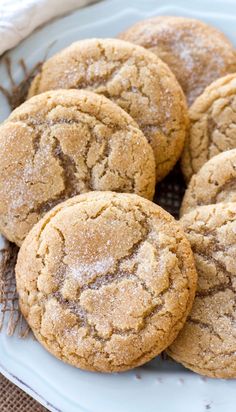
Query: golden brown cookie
[
  {"x": 197, "y": 53},
  {"x": 214, "y": 183},
  {"x": 213, "y": 125},
  {"x": 62, "y": 143},
  {"x": 106, "y": 280},
  {"x": 132, "y": 77},
  {"x": 207, "y": 343}
]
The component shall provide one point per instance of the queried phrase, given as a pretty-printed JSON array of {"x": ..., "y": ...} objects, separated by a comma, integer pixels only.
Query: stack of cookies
[
  {"x": 207, "y": 343},
  {"x": 106, "y": 278}
]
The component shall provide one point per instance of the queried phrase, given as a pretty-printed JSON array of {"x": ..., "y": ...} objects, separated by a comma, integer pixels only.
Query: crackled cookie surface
[
  {"x": 197, "y": 53},
  {"x": 213, "y": 125},
  {"x": 214, "y": 183},
  {"x": 135, "y": 79},
  {"x": 207, "y": 343},
  {"x": 106, "y": 280},
  {"x": 63, "y": 143}
]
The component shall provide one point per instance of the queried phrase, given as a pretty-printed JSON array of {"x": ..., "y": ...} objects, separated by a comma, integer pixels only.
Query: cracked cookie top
[
  {"x": 197, "y": 53},
  {"x": 133, "y": 78},
  {"x": 207, "y": 343},
  {"x": 106, "y": 280},
  {"x": 214, "y": 183},
  {"x": 62, "y": 143},
  {"x": 212, "y": 125}
]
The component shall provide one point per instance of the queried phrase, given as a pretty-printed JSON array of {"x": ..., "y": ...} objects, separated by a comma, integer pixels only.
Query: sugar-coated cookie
[
  {"x": 106, "y": 280},
  {"x": 212, "y": 125},
  {"x": 207, "y": 343},
  {"x": 62, "y": 143},
  {"x": 197, "y": 53},
  {"x": 214, "y": 183},
  {"x": 133, "y": 78}
]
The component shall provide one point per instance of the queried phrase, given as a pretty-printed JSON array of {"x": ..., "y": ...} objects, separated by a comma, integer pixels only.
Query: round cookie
[
  {"x": 106, "y": 280},
  {"x": 214, "y": 183},
  {"x": 213, "y": 125},
  {"x": 62, "y": 143},
  {"x": 133, "y": 78},
  {"x": 197, "y": 53},
  {"x": 207, "y": 343}
]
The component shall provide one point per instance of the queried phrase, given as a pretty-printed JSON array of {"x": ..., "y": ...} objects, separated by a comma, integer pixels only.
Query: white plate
[{"x": 158, "y": 386}]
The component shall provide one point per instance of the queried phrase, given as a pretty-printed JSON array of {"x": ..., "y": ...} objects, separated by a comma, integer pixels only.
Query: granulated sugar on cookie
[
  {"x": 207, "y": 342},
  {"x": 133, "y": 78},
  {"x": 212, "y": 125},
  {"x": 214, "y": 183},
  {"x": 106, "y": 280},
  {"x": 197, "y": 53},
  {"x": 63, "y": 143}
]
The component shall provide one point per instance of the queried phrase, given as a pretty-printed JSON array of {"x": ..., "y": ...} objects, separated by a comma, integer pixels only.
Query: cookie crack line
[
  {"x": 69, "y": 168},
  {"x": 194, "y": 199},
  {"x": 216, "y": 96},
  {"x": 102, "y": 280},
  {"x": 58, "y": 209},
  {"x": 223, "y": 188},
  {"x": 112, "y": 75},
  {"x": 118, "y": 275},
  {"x": 212, "y": 370},
  {"x": 211, "y": 232},
  {"x": 76, "y": 180},
  {"x": 34, "y": 122},
  {"x": 136, "y": 361},
  {"x": 216, "y": 289},
  {"x": 194, "y": 148},
  {"x": 131, "y": 77},
  {"x": 82, "y": 318},
  {"x": 204, "y": 326},
  {"x": 211, "y": 125},
  {"x": 220, "y": 267},
  {"x": 206, "y": 230}
]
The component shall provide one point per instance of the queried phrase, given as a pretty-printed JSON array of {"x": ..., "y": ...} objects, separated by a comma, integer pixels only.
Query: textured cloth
[
  {"x": 13, "y": 399},
  {"x": 18, "y": 18}
]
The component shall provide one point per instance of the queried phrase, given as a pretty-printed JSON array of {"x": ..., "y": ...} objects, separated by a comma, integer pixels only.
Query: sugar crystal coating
[
  {"x": 133, "y": 78},
  {"x": 62, "y": 143},
  {"x": 106, "y": 280},
  {"x": 207, "y": 343},
  {"x": 197, "y": 53}
]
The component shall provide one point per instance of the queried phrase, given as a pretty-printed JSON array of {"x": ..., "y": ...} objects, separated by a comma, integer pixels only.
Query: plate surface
[{"x": 159, "y": 386}]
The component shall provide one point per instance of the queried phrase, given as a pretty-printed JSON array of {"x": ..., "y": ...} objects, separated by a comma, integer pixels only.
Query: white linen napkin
[{"x": 18, "y": 18}]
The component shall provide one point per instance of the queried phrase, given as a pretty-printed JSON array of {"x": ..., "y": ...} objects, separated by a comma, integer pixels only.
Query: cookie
[
  {"x": 207, "y": 343},
  {"x": 213, "y": 125},
  {"x": 106, "y": 280},
  {"x": 62, "y": 143},
  {"x": 197, "y": 53},
  {"x": 214, "y": 183},
  {"x": 133, "y": 78}
]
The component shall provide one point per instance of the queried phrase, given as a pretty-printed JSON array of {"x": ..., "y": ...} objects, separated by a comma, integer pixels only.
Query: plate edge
[{"x": 27, "y": 389}]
